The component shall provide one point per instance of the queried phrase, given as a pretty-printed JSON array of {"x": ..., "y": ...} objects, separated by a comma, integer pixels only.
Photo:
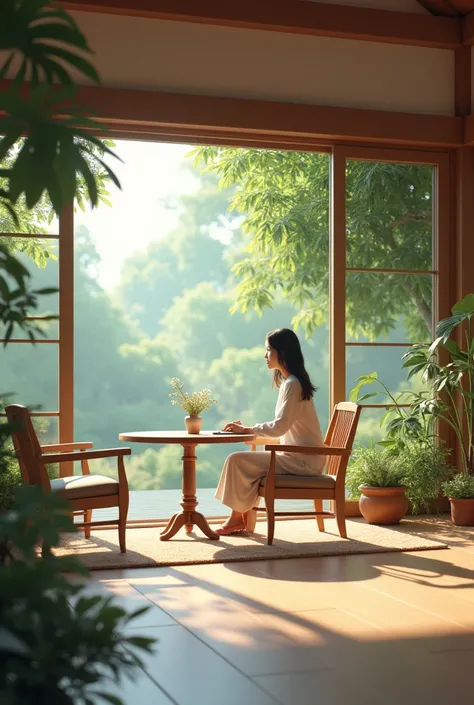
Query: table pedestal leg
[{"x": 189, "y": 516}]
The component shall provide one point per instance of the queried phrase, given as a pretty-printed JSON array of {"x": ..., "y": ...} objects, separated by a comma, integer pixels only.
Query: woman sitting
[{"x": 296, "y": 423}]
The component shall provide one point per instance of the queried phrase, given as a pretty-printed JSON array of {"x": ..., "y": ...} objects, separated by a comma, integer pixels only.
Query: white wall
[
  {"x": 220, "y": 61},
  {"x": 393, "y": 5}
]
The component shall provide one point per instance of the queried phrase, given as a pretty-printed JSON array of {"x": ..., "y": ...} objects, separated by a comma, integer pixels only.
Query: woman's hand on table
[{"x": 237, "y": 427}]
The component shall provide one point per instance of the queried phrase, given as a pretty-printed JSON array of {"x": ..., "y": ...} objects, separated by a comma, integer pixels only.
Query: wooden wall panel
[
  {"x": 181, "y": 57},
  {"x": 292, "y": 16}
]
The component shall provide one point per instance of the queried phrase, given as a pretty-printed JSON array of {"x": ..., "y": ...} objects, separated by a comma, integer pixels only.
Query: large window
[
  {"x": 389, "y": 222},
  {"x": 161, "y": 280},
  {"x": 29, "y": 373},
  {"x": 187, "y": 268},
  {"x": 389, "y": 271}
]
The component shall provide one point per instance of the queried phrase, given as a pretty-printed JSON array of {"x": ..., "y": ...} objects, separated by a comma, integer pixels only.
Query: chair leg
[
  {"x": 122, "y": 530},
  {"x": 340, "y": 518},
  {"x": 270, "y": 506},
  {"x": 318, "y": 507},
  {"x": 87, "y": 517},
  {"x": 123, "y": 512},
  {"x": 250, "y": 517}
]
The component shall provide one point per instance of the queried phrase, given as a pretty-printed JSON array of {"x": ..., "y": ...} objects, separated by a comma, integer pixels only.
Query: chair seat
[
  {"x": 303, "y": 482},
  {"x": 84, "y": 486}
]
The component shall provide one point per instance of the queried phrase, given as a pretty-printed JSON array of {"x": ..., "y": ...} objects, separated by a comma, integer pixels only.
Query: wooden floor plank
[
  {"x": 127, "y": 597},
  {"x": 139, "y": 690},
  {"x": 191, "y": 672},
  {"x": 378, "y": 629}
]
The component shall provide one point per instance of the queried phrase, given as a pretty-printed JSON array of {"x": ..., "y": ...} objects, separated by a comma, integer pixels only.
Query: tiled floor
[{"x": 391, "y": 629}]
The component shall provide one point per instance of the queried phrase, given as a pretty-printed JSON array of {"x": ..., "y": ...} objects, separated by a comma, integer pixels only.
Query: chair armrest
[
  {"x": 261, "y": 441},
  {"x": 84, "y": 455},
  {"x": 309, "y": 450},
  {"x": 64, "y": 447}
]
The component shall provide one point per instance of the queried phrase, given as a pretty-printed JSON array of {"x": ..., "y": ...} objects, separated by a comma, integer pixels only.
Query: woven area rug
[{"x": 293, "y": 539}]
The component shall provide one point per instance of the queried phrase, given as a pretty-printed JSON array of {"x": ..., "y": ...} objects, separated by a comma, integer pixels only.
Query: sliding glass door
[{"x": 390, "y": 263}]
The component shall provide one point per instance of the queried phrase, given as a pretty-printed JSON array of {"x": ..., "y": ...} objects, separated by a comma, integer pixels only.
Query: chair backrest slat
[
  {"x": 341, "y": 434},
  {"x": 27, "y": 447}
]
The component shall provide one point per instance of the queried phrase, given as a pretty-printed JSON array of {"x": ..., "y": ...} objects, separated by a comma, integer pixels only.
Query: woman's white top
[{"x": 296, "y": 423}]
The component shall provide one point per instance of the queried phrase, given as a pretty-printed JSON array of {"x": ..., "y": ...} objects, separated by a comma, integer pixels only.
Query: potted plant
[
  {"x": 425, "y": 469},
  {"x": 460, "y": 491},
  {"x": 449, "y": 367},
  {"x": 193, "y": 403},
  {"x": 412, "y": 440},
  {"x": 376, "y": 475}
]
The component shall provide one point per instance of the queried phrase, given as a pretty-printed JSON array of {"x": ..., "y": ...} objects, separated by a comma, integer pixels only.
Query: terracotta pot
[
  {"x": 352, "y": 508},
  {"x": 193, "y": 423},
  {"x": 462, "y": 511},
  {"x": 383, "y": 505}
]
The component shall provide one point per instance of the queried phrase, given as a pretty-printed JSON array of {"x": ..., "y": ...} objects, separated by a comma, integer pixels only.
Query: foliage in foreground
[
  {"x": 50, "y": 151},
  {"x": 10, "y": 476},
  {"x": 57, "y": 645},
  {"x": 48, "y": 157}
]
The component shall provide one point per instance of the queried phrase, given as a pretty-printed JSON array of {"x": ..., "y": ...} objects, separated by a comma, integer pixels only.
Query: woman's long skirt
[{"x": 242, "y": 472}]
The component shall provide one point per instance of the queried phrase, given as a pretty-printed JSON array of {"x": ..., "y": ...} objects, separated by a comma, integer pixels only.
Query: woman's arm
[
  {"x": 236, "y": 427},
  {"x": 286, "y": 414}
]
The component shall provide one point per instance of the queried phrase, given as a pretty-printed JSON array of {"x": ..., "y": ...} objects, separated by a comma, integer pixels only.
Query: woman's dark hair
[{"x": 288, "y": 349}]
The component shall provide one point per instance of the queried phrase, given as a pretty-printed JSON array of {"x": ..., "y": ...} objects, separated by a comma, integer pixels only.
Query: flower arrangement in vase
[{"x": 193, "y": 403}]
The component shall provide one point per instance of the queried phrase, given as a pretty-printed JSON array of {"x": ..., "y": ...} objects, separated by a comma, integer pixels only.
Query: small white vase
[{"x": 193, "y": 423}]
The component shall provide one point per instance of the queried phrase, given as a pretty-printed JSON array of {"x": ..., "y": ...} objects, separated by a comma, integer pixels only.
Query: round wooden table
[{"x": 188, "y": 517}]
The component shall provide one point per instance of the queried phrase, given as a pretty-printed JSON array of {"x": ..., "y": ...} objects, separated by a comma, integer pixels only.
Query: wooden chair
[
  {"x": 83, "y": 492},
  {"x": 330, "y": 485}
]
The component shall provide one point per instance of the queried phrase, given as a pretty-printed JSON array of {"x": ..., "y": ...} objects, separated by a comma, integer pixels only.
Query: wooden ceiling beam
[
  {"x": 448, "y": 8},
  {"x": 217, "y": 120},
  {"x": 293, "y": 16},
  {"x": 443, "y": 8},
  {"x": 468, "y": 29},
  {"x": 204, "y": 115}
]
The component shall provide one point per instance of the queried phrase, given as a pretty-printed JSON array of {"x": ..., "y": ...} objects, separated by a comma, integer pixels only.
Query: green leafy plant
[
  {"x": 461, "y": 486},
  {"x": 48, "y": 155},
  {"x": 411, "y": 443},
  {"x": 449, "y": 369},
  {"x": 373, "y": 467},
  {"x": 193, "y": 403},
  {"x": 49, "y": 150},
  {"x": 402, "y": 424},
  {"x": 10, "y": 476},
  {"x": 425, "y": 468},
  {"x": 56, "y": 644},
  {"x": 283, "y": 198},
  {"x": 16, "y": 299}
]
